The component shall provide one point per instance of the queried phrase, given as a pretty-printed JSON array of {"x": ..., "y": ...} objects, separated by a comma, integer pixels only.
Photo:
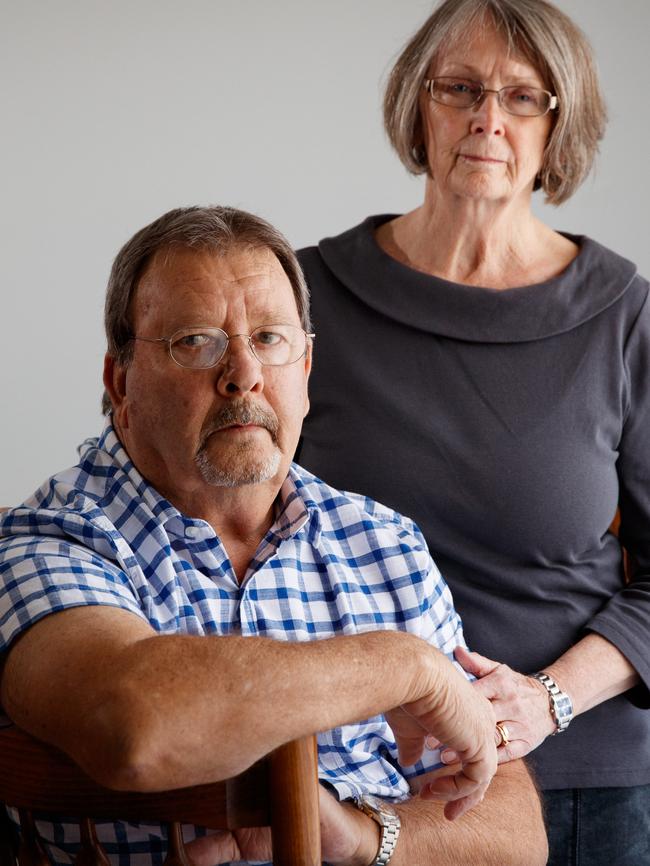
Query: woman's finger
[{"x": 474, "y": 663}]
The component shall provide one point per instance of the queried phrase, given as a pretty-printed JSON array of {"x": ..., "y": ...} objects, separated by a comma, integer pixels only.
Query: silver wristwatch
[
  {"x": 559, "y": 702},
  {"x": 388, "y": 820}
]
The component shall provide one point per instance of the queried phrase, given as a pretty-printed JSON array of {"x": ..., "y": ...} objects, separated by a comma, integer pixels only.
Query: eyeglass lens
[
  {"x": 517, "y": 99},
  {"x": 272, "y": 345}
]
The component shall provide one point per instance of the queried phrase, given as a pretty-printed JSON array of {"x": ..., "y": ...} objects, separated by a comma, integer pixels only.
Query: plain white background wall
[{"x": 113, "y": 112}]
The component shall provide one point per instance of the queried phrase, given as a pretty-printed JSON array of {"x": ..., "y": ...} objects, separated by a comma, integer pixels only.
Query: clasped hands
[{"x": 518, "y": 701}]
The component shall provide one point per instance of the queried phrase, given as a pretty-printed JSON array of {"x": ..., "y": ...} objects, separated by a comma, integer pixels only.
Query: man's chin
[{"x": 242, "y": 470}]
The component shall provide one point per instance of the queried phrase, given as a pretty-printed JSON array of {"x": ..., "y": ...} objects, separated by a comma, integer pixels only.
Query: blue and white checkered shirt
[{"x": 331, "y": 563}]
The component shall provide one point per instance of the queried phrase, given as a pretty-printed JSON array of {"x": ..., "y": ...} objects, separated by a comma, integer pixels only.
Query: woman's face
[{"x": 483, "y": 152}]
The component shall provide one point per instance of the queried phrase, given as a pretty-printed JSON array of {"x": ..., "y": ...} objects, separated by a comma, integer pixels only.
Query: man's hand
[
  {"x": 459, "y": 717},
  {"x": 348, "y": 838}
]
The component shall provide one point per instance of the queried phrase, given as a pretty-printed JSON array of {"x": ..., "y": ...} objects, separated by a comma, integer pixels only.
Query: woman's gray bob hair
[
  {"x": 550, "y": 41},
  {"x": 214, "y": 228}
]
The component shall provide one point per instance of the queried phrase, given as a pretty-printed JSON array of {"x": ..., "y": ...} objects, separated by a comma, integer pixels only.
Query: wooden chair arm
[{"x": 281, "y": 790}]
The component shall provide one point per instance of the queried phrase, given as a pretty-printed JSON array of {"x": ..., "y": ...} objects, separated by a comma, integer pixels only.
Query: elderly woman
[{"x": 490, "y": 377}]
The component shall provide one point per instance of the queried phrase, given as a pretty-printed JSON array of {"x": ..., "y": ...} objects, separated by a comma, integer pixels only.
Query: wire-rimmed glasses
[
  {"x": 518, "y": 99},
  {"x": 199, "y": 348}
]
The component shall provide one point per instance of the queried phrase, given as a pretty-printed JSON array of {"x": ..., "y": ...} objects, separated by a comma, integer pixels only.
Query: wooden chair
[{"x": 280, "y": 791}]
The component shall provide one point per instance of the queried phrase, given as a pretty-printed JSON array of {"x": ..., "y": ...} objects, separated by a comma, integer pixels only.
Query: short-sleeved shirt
[{"x": 332, "y": 563}]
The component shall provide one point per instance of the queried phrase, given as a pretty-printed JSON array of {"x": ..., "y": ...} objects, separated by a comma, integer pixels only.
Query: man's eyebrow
[{"x": 265, "y": 318}]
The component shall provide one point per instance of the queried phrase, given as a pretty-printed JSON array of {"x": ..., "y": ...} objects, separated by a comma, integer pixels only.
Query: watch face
[{"x": 378, "y": 806}]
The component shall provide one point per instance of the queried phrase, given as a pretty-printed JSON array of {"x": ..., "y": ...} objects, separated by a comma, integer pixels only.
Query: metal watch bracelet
[
  {"x": 389, "y": 822},
  {"x": 559, "y": 702}
]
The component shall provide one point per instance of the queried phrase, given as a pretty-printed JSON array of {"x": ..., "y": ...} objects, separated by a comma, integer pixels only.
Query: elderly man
[{"x": 164, "y": 601}]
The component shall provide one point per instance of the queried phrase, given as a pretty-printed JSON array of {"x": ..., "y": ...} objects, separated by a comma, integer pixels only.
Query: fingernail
[
  {"x": 431, "y": 742},
  {"x": 448, "y": 756}
]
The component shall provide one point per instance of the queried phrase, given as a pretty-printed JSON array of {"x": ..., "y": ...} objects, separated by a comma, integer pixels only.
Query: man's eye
[
  {"x": 193, "y": 341},
  {"x": 268, "y": 338}
]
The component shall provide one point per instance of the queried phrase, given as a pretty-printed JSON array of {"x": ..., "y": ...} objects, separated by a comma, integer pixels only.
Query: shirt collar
[
  {"x": 109, "y": 442},
  {"x": 294, "y": 507}
]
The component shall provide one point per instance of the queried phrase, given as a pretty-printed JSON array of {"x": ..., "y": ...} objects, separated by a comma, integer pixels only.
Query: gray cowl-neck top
[{"x": 509, "y": 424}]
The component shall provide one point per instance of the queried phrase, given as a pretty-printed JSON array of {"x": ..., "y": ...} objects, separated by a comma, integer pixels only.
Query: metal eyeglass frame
[
  {"x": 429, "y": 82},
  {"x": 249, "y": 338}
]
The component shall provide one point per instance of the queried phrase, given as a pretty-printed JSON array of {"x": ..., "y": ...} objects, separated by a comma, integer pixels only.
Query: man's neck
[
  {"x": 241, "y": 520},
  {"x": 240, "y": 516}
]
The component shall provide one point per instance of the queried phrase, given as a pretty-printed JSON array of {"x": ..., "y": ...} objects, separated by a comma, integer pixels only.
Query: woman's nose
[{"x": 487, "y": 115}]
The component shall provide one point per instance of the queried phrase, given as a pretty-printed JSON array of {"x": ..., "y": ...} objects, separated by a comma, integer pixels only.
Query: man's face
[{"x": 234, "y": 424}]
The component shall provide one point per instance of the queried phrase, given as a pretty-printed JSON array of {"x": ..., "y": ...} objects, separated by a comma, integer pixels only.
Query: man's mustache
[{"x": 243, "y": 413}]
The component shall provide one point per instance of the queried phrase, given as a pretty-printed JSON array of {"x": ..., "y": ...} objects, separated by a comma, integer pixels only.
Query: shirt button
[{"x": 192, "y": 531}]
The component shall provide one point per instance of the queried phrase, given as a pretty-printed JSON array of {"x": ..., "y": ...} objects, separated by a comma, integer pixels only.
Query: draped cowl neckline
[{"x": 591, "y": 283}]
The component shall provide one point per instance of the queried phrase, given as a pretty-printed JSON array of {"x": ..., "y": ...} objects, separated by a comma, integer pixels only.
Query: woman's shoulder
[
  {"x": 337, "y": 249},
  {"x": 351, "y": 267}
]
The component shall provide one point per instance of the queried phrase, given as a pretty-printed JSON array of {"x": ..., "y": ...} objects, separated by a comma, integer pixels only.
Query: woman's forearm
[{"x": 592, "y": 671}]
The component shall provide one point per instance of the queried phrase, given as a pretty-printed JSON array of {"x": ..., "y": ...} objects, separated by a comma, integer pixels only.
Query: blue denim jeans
[{"x": 598, "y": 826}]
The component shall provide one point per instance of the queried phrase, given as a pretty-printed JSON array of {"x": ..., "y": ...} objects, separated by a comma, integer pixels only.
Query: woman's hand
[
  {"x": 518, "y": 701},
  {"x": 461, "y": 718}
]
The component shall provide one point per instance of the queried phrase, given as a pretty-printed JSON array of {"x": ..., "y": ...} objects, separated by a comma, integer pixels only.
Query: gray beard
[
  {"x": 245, "y": 467},
  {"x": 242, "y": 471}
]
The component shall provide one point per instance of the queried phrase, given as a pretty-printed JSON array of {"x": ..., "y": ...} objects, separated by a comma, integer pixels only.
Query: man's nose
[
  {"x": 239, "y": 371},
  {"x": 487, "y": 115}
]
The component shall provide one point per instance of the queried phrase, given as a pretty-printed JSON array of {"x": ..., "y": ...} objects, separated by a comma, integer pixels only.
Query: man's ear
[
  {"x": 308, "y": 356},
  {"x": 115, "y": 384}
]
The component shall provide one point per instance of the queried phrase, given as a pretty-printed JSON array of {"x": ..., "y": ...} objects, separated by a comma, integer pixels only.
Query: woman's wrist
[{"x": 558, "y": 702}]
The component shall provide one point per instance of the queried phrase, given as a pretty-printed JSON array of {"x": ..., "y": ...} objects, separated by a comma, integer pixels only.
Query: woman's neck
[{"x": 477, "y": 242}]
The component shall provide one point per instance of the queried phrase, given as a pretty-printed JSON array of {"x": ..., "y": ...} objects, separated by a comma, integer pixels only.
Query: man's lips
[
  {"x": 238, "y": 427},
  {"x": 239, "y": 418}
]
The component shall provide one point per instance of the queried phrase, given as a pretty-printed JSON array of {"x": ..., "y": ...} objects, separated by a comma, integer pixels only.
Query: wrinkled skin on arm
[
  {"x": 100, "y": 684},
  {"x": 484, "y": 837}
]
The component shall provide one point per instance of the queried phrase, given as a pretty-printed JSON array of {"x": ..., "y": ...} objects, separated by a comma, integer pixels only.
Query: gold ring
[{"x": 504, "y": 734}]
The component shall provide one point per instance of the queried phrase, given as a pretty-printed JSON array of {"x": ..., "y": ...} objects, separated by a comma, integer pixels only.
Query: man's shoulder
[
  {"x": 78, "y": 502},
  {"x": 78, "y": 485},
  {"x": 340, "y": 508}
]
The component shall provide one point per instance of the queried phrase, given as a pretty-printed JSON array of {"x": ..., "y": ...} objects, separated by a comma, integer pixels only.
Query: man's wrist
[
  {"x": 369, "y": 837},
  {"x": 387, "y": 821}
]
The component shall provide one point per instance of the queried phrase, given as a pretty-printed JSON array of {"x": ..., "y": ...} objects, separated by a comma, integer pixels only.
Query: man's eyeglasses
[
  {"x": 199, "y": 348},
  {"x": 518, "y": 99}
]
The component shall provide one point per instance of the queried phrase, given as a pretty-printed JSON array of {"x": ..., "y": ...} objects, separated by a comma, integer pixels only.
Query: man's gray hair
[
  {"x": 213, "y": 228},
  {"x": 550, "y": 41}
]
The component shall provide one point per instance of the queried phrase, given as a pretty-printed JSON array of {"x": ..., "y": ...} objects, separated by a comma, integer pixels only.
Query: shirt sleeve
[
  {"x": 42, "y": 575},
  {"x": 625, "y": 619}
]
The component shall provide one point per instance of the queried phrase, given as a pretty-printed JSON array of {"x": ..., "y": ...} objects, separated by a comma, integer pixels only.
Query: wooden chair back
[{"x": 280, "y": 791}]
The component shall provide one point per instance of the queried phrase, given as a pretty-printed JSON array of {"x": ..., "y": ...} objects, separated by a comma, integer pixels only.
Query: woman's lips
[{"x": 487, "y": 159}]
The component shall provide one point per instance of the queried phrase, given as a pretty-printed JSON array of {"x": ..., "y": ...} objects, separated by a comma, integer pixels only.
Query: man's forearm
[
  {"x": 506, "y": 829},
  {"x": 246, "y": 696},
  {"x": 151, "y": 712}
]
